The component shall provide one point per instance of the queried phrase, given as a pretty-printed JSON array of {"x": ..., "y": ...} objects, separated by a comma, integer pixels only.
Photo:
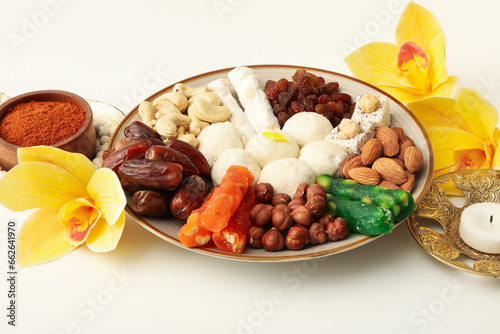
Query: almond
[
  {"x": 388, "y": 185},
  {"x": 372, "y": 150},
  {"x": 389, "y": 140},
  {"x": 398, "y": 130},
  {"x": 402, "y": 138},
  {"x": 352, "y": 161},
  {"x": 410, "y": 183},
  {"x": 402, "y": 148},
  {"x": 365, "y": 175},
  {"x": 400, "y": 162},
  {"x": 390, "y": 170},
  {"x": 413, "y": 159}
]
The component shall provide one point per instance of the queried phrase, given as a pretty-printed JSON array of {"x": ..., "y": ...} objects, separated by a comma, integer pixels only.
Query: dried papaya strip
[
  {"x": 233, "y": 237},
  {"x": 193, "y": 234},
  {"x": 226, "y": 198}
]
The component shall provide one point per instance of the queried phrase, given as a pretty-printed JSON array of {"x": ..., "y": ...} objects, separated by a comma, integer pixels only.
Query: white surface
[{"x": 120, "y": 52}]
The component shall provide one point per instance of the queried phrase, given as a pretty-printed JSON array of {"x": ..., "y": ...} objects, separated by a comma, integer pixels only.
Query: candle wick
[{"x": 491, "y": 219}]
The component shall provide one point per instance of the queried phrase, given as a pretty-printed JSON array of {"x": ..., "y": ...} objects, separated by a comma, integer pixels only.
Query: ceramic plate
[{"x": 168, "y": 229}]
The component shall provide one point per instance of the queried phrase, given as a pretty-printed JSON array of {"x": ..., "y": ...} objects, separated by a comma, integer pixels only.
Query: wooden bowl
[{"x": 83, "y": 141}]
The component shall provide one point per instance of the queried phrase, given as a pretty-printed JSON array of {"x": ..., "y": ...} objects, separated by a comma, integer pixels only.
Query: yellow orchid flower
[
  {"x": 462, "y": 131},
  {"x": 415, "y": 67},
  {"x": 76, "y": 203}
]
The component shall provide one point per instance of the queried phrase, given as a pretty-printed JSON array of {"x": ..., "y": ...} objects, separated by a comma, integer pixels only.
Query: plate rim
[{"x": 277, "y": 258}]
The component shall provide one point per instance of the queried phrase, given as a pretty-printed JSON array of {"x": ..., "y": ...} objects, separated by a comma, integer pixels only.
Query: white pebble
[
  {"x": 99, "y": 154},
  {"x": 105, "y": 139},
  {"x": 98, "y": 162},
  {"x": 2, "y": 173},
  {"x": 97, "y": 125},
  {"x": 104, "y": 147}
]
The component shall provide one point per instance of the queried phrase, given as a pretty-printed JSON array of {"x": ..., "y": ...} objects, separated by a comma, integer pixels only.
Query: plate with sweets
[{"x": 168, "y": 227}]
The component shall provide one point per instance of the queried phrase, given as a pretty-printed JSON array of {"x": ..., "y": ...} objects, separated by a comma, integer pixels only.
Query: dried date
[
  {"x": 139, "y": 129},
  {"x": 192, "y": 153},
  {"x": 129, "y": 152},
  {"x": 151, "y": 174},
  {"x": 188, "y": 197},
  {"x": 169, "y": 154},
  {"x": 150, "y": 202}
]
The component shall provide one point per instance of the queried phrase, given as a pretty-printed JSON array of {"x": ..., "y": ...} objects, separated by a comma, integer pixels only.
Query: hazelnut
[
  {"x": 326, "y": 218},
  {"x": 302, "y": 215},
  {"x": 260, "y": 215},
  {"x": 317, "y": 204},
  {"x": 297, "y": 237},
  {"x": 369, "y": 103},
  {"x": 348, "y": 129},
  {"x": 337, "y": 230},
  {"x": 272, "y": 240},
  {"x": 264, "y": 193},
  {"x": 281, "y": 198},
  {"x": 301, "y": 191},
  {"x": 316, "y": 190},
  {"x": 282, "y": 207},
  {"x": 282, "y": 220},
  {"x": 295, "y": 203},
  {"x": 255, "y": 234},
  {"x": 317, "y": 234}
]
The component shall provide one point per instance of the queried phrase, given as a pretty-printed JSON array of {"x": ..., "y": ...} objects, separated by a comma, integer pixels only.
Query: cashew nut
[
  {"x": 209, "y": 112},
  {"x": 176, "y": 98},
  {"x": 210, "y": 97},
  {"x": 187, "y": 137},
  {"x": 166, "y": 107},
  {"x": 167, "y": 125},
  {"x": 147, "y": 112},
  {"x": 188, "y": 91},
  {"x": 196, "y": 126}
]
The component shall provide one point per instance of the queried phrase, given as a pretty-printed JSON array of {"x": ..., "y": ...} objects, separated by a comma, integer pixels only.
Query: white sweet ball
[
  {"x": 323, "y": 157},
  {"x": 286, "y": 175},
  {"x": 216, "y": 138},
  {"x": 307, "y": 127},
  {"x": 234, "y": 156},
  {"x": 267, "y": 150}
]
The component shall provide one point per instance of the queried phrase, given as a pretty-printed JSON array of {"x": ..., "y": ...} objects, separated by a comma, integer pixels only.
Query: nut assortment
[
  {"x": 280, "y": 221},
  {"x": 390, "y": 160}
]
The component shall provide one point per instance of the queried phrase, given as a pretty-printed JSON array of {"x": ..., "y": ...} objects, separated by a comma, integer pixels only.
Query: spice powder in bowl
[
  {"x": 41, "y": 123},
  {"x": 48, "y": 117}
]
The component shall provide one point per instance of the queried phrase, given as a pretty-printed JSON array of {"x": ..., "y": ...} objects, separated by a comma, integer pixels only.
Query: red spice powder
[{"x": 41, "y": 123}]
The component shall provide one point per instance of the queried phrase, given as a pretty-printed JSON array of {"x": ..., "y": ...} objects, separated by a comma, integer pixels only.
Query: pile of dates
[
  {"x": 280, "y": 221},
  {"x": 308, "y": 92},
  {"x": 164, "y": 178}
]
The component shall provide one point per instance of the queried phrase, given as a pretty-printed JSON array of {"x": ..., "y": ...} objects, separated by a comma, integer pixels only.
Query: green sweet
[{"x": 399, "y": 202}]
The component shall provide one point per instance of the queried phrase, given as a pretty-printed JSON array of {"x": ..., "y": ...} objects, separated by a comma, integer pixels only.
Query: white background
[{"x": 120, "y": 52}]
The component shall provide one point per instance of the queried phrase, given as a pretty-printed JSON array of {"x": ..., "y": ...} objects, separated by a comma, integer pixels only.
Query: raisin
[
  {"x": 335, "y": 121},
  {"x": 333, "y": 87},
  {"x": 297, "y": 107},
  {"x": 292, "y": 88},
  {"x": 300, "y": 96},
  {"x": 282, "y": 118},
  {"x": 299, "y": 73},
  {"x": 324, "y": 109},
  {"x": 305, "y": 84},
  {"x": 314, "y": 79},
  {"x": 351, "y": 109},
  {"x": 284, "y": 98},
  {"x": 277, "y": 107},
  {"x": 324, "y": 99},
  {"x": 282, "y": 85},
  {"x": 341, "y": 97},
  {"x": 338, "y": 108},
  {"x": 308, "y": 104},
  {"x": 313, "y": 98},
  {"x": 271, "y": 89}
]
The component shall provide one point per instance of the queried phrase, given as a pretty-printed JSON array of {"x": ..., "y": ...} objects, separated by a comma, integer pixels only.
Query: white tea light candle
[{"x": 480, "y": 227}]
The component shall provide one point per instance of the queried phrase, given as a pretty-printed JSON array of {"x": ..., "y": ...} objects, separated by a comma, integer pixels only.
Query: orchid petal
[
  {"x": 495, "y": 161},
  {"x": 470, "y": 158},
  {"x": 479, "y": 114},
  {"x": 75, "y": 163},
  {"x": 105, "y": 189},
  {"x": 436, "y": 51},
  {"x": 41, "y": 239},
  {"x": 104, "y": 237},
  {"x": 413, "y": 66},
  {"x": 38, "y": 184},
  {"x": 374, "y": 63},
  {"x": 417, "y": 24},
  {"x": 444, "y": 159},
  {"x": 443, "y": 138},
  {"x": 405, "y": 95},
  {"x": 78, "y": 217},
  {"x": 438, "y": 111}
]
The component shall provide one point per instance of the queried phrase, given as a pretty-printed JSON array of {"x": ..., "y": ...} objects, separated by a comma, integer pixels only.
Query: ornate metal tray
[{"x": 435, "y": 222}]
